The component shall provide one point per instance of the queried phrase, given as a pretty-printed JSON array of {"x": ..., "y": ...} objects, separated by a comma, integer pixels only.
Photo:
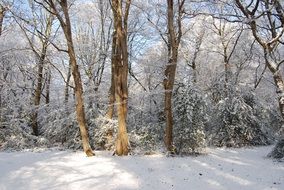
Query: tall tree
[
  {"x": 40, "y": 66},
  {"x": 229, "y": 37},
  {"x": 105, "y": 41},
  {"x": 94, "y": 41},
  {"x": 266, "y": 21},
  {"x": 191, "y": 60},
  {"x": 39, "y": 27},
  {"x": 174, "y": 37},
  {"x": 60, "y": 10},
  {"x": 120, "y": 71},
  {"x": 110, "y": 110}
]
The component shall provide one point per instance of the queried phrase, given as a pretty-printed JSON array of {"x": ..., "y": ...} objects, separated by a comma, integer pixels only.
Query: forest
[
  {"x": 198, "y": 73},
  {"x": 134, "y": 77}
]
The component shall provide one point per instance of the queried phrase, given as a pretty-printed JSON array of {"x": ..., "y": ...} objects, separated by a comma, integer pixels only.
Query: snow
[{"x": 221, "y": 168}]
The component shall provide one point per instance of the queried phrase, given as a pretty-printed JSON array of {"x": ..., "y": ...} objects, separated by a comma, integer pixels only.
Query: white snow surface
[{"x": 221, "y": 168}]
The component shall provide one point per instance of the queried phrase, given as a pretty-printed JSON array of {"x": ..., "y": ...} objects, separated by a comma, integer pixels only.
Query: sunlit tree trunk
[
  {"x": 120, "y": 62},
  {"x": 80, "y": 112}
]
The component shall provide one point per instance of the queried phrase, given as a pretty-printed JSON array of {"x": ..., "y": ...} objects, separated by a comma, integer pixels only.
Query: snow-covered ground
[{"x": 229, "y": 169}]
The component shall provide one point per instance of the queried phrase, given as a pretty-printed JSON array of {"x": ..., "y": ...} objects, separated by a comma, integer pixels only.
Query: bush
[
  {"x": 18, "y": 138},
  {"x": 190, "y": 117},
  {"x": 147, "y": 139},
  {"x": 278, "y": 151},
  {"x": 104, "y": 134},
  {"x": 236, "y": 124}
]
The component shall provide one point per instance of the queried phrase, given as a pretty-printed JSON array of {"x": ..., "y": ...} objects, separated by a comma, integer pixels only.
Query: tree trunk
[
  {"x": 111, "y": 102},
  {"x": 104, "y": 45},
  {"x": 121, "y": 96},
  {"x": 66, "y": 90},
  {"x": 120, "y": 58},
  {"x": 278, "y": 79},
  {"x": 110, "y": 110},
  {"x": 40, "y": 65},
  {"x": 168, "y": 86},
  {"x": 169, "y": 120},
  {"x": 194, "y": 73},
  {"x": 271, "y": 44},
  {"x": 2, "y": 14},
  {"x": 80, "y": 112},
  {"x": 170, "y": 72},
  {"x": 227, "y": 70},
  {"x": 195, "y": 56},
  {"x": 38, "y": 91},
  {"x": 48, "y": 80},
  {"x": 227, "y": 78}
]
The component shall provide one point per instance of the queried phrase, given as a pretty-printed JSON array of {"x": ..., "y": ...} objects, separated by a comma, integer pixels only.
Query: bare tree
[
  {"x": 191, "y": 60},
  {"x": 229, "y": 35},
  {"x": 38, "y": 27},
  {"x": 60, "y": 10},
  {"x": 41, "y": 60},
  {"x": 266, "y": 21},
  {"x": 174, "y": 38},
  {"x": 104, "y": 44},
  {"x": 93, "y": 47}
]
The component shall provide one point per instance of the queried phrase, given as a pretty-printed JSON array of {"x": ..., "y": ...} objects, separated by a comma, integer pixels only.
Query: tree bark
[
  {"x": 40, "y": 66},
  {"x": 48, "y": 81},
  {"x": 278, "y": 81},
  {"x": 80, "y": 112},
  {"x": 268, "y": 45},
  {"x": 170, "y": 72},
  {"x": 2, "y": 14},
  {"x": 66, "y": 90},
  {"x": 120, "y": 59},
  {"x": 110, "y": 110},
  {"x": 38, "y": 90}
]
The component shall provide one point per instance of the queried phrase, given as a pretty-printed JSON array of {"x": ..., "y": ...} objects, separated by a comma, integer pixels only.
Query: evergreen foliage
[
  {"x": 237, "y": 120},
  {"x": 190, "y": 118},
  {"x": 278, "y": 151}
]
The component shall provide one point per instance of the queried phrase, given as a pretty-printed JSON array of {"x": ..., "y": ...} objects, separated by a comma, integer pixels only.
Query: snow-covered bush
[
  {"x": 147, "y": 139},
  {"x": 18, "y": 137},
  {"x": 62, "y": 129},
  {"x": 278, "y": 151},
  {"x": 190, "y": 118},
  {"x": 235, "y": 123},
  {"x": 219, "y": 89},
  {"x": 60, "y": 126},
  {"x": 104, "y": 133}
]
